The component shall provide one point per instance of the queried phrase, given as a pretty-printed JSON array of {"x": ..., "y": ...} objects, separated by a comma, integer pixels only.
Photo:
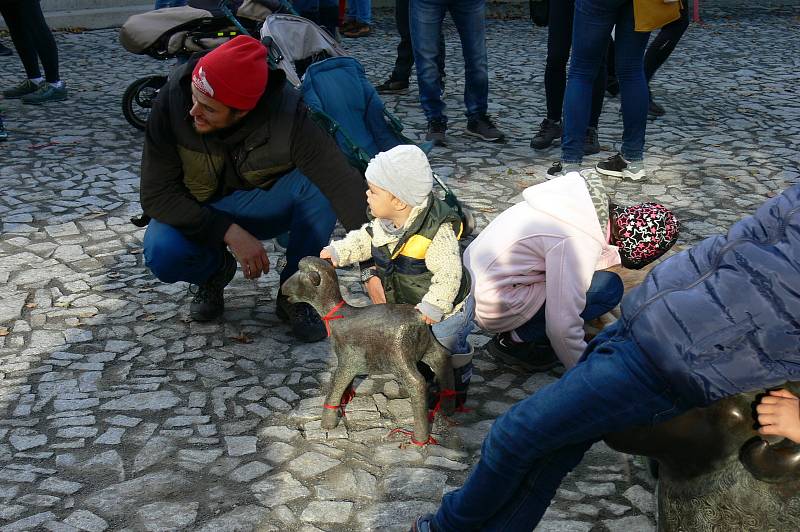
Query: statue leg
[
  {"x": 341, "y": 381},
  {"x": 439, "y": 362},
  {"x": 417, "y": 388}
]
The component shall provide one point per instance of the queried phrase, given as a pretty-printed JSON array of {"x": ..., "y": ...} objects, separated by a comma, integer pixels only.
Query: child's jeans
[{"x": 452, "y": 332}]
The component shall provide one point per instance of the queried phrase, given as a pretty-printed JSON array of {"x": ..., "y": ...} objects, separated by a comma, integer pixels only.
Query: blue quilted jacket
[{"x": 724, "y": 317}]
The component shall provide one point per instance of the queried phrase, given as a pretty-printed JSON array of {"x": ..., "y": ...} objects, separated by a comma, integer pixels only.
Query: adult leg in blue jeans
[
  {"x": 293, "y": 204},
  {"x": 539, "y": 440},
  {"x": 591, "y": 28}
]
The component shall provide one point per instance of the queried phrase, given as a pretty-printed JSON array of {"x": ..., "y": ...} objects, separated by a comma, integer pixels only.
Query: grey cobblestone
[{"x": 117, "y": 411}]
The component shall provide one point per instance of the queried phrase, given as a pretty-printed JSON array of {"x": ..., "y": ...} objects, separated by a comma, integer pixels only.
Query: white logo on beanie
[{"x": 199, "y": 80}]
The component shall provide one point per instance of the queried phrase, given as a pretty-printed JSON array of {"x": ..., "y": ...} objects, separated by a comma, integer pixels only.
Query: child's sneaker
[
  {"x": 26, "y": 87},
  {"x": 618, "y": 166},
  {"x": 462, "y": 374}
]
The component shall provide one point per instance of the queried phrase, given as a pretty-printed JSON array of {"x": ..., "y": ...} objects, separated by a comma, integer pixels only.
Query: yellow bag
[{"x": 649, "y": 15}]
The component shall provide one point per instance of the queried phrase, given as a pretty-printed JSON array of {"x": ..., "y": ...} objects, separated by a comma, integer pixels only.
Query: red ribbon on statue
[
  {"x": 327, "y": 318},
  {"x": 347, "y": 396},
  {"x": 404, "y": 432},
  {"x": 444, "y": 394}
]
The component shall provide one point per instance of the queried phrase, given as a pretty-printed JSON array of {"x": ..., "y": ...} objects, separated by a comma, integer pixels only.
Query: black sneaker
[
  {"x": 532, "y": 357},
  {"x": 654, "y": 110},
  {"x": 303, "y": 319},
  {"x": 549, "y": 130},
  {"x": 483, "y": 127},
  {"x": 591, "y": 144},
  {"x": 391, "y": 86},
  {"x": 612, "y": 85},
  {"x": 436, "y": 131},
  {"x": 618, "y": 166},
  {"x": 558, "y": 169},
  {"x": 208, "y": 302}
]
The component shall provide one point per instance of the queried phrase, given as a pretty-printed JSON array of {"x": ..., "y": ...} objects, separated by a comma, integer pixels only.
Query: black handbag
[{"x": 540, "y": 11}]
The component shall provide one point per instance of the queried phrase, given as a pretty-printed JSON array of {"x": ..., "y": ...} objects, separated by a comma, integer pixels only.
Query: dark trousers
[
  {"x": 405, "y": 52},
  {"x": 32, "y": 38},
  {"x": 664, "y": 43},
  {"x": 559, "y": 43}
]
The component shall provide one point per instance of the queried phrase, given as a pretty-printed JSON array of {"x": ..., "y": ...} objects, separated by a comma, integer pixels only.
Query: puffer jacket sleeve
[{"x": 570, "y": 265}]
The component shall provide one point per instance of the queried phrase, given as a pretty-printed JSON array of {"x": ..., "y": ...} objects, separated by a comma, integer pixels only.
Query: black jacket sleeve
[
  {"x": 163, "y": 195},
  {"x": 315, "y": 153}
]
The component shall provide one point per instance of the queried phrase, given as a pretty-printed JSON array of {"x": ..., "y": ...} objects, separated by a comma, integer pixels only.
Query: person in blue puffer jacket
[{"x": 713, "y": 321}]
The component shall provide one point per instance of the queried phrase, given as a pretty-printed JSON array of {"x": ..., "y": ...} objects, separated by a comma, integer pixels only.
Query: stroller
[
  {"x": 339, "y": 96},
  {"x": 178, "y": 32}
]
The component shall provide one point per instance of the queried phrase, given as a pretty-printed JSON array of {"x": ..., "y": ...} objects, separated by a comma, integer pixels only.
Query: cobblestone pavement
[{"x": 120, "y": 413}]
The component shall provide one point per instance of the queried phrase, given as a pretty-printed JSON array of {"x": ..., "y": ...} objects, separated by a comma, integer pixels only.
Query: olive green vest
[{"x": 402, "y": 270}]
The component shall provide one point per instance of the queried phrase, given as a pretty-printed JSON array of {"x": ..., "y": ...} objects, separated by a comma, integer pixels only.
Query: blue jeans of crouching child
[
  {"x": 591, "y": 27},
  {"x": 605, "y": 293},
  {"x": 452, "y": 333},
  {"x": 293, "y": 204},
  {"x": 533, "y": 446},
  {"x": 469, "y": 17},
  {"x": 170, "y": 3}
]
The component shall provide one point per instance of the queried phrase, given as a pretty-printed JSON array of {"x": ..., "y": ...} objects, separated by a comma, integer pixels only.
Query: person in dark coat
[
  {"x": 716, "y": 320},
  {"x": 232, "y": 157}
]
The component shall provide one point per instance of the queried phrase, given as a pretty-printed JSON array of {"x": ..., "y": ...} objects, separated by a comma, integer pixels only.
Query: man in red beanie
[{"x": 231, "y": 157}]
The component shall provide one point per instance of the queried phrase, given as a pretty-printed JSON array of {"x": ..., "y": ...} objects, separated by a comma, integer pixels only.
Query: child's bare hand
[
  {"x": 326, "y": 254},
  {"x": 779, "y": 414},
  {"x": 429, "y": 320}
]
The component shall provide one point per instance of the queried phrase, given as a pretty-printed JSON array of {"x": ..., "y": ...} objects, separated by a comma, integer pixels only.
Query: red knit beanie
[{"x": 234, "y": 73}]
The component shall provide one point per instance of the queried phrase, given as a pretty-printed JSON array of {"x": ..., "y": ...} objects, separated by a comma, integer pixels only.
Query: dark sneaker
[
  {"x": 483, "y": 127},
  {"x": 436, "y": 131},
  {"x": 531, "y": 356},
  {"x": 26, "y": 87},
  {"x": 359, "y": 29},
  {"x": 423, "y": 523},
  {"x": 5, "y": 50},
  {"x": 558, "y": 169},
  {"x": 208, "y": 302},
  {"x": 654, "y": 110},
  {"x": 549, "y": 130},
  {"x": 303, "y": 319},
  {"x": 591, "y": 144},
  {"x": 391, "y": 86},
  {"x": 46, "y": 93},
  {"x": 617, "y": 166}
]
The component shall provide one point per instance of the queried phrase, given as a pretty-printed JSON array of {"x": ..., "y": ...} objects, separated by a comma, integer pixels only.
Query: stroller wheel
[
  {"x": 468, "y": 220},
  {"x": 138, "y": 99}
]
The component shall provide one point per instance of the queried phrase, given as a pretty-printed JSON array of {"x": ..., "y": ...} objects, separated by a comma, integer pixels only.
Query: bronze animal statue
[
  {"x": 370, "y": 340},
  {"x": 715, "y": 472}
]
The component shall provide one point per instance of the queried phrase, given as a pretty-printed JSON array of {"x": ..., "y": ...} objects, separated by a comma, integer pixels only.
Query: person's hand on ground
[
  {"x": 248, "y": 250},
  {"x": 779, "y": 414},
  {"x": 375, "y": 290}
]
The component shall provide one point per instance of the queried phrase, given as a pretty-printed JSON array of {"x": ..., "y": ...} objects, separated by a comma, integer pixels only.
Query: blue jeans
[
  {"x": 605, "y": 293},
  {"x": 426, "y": 27},
  {"x": 530, "y": 448},
  {"x": 293, "y": 204},
  {"x": 170, "y": 3},
  {"x": 452, "y": 333},
  {"x": 591, "y": 28},
  {"x": 360, "y": 10}
]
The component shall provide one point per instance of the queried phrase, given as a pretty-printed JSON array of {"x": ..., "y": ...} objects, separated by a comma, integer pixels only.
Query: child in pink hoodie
[{"x": 552, "y": 247}]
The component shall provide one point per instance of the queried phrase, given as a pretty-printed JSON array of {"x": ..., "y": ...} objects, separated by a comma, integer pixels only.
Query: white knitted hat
[{"x": 404, "y": 171}]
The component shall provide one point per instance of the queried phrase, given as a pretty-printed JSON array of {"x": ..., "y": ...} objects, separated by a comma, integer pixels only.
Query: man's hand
[
  {"x": 248, "y": 250},
  {"x": 375, "y": 290},
  {"x": 779, "y": 414},
  {"x": 325, "y": 254}
]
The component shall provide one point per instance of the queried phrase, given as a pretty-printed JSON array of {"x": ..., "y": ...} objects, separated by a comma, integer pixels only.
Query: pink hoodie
[{"x": 555, "y": 235}]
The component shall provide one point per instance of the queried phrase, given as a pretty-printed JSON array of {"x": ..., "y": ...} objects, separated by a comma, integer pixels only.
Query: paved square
[{"x": 119, "y": 413}]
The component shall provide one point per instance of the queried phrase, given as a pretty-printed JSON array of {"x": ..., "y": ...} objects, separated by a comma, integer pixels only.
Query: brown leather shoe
[{"x": 359, "y": 30}]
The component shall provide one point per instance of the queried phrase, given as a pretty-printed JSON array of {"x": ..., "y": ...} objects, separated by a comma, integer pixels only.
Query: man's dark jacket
[
  {"x": 724, "y": 317},
  {"x": 183, "y": 170}
]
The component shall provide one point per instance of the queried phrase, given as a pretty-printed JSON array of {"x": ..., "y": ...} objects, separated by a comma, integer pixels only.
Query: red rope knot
[
  {"x": 430, "y": 441},
  {"x": 347, "y": 396},
  {"x": 444, "y": 394},
  {"x": 330, "y": 316}
]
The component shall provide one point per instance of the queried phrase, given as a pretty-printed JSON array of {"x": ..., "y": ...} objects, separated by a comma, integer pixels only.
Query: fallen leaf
[
  {"x": 3, "y": 331},
  {"x": 30, "y": 305},
  {"x": 242, "y": 338}
]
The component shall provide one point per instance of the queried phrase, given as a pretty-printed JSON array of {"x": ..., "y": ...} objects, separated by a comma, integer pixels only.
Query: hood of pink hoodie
[{"x": 506, "y": 260}]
